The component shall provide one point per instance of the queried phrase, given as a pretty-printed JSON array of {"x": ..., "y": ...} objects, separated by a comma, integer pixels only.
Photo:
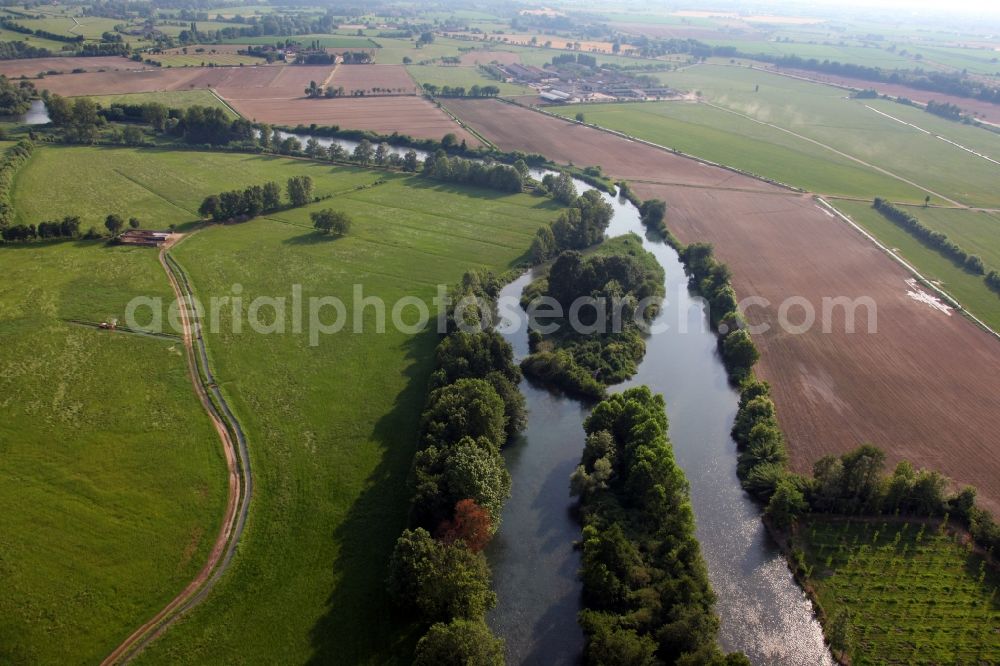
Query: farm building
[{"x": 144, "y": 237}]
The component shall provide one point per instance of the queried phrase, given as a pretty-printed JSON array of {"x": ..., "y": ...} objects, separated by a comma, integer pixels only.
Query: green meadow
[
  {"x": 968, "y": 289},
  {"x": 826, "y": 115},
  {"x": 175, "y": 99},
  {"x": 467, "y": 77},
  {"x": 160, "y": 187},
  {"x": 331, "y": 427},
  {"x": 903, "y": 593},
  {"x": 730, "y": 139},
  {"x": 112, "y": 478},
  {"x": 325, "y": 41}
]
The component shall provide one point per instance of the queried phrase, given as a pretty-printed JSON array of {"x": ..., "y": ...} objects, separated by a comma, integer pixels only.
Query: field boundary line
[
  {"x": 673, "y": 151},
  {"x": 238, "y": 468},
  {"x": 468, "y": 128},
  {"x": 909, "y": 267},
  {"x": 885, "y": 172},
  {"x": 226, "y": 103},
  {"x": 152, "y": 191}
]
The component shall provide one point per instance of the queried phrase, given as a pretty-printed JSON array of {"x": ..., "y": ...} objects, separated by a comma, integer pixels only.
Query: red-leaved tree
[{"x": 471, "y": 524}]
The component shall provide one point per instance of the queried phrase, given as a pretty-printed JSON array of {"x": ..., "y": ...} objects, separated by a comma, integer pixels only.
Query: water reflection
[{"x": 763, "y": 612}]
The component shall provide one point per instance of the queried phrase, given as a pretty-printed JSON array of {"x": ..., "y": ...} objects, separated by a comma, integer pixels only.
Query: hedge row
[
  {"x": 437, "y": 571},
  {"x": 15, "y": 157},
  {"x": 935, "y": 240}
]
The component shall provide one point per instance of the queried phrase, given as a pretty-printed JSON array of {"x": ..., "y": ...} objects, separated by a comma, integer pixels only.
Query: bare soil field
[
  {"x": 985, "y": 110},
  {"x": 478, "y": 57},
  {"x": 34, "y": 66},
  {"x": 404, "y": 114},
  {"x": 512, "y": 126},
  {"x": 922, "y": 386},
  {"x": 394, "y": 78},
  {"x": 269, "y": 81}
]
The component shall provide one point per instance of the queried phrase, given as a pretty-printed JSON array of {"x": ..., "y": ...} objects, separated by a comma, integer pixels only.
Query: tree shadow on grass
[
  {"x": 360, "y": 624},
  {"x": 312, "y": 238}
]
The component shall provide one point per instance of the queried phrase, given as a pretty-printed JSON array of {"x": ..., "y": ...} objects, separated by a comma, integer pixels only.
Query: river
[{"x": 763, "y": 611}]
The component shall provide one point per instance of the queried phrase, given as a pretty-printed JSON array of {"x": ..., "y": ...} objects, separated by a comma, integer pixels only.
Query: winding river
[{"x": 763, "y": 611}]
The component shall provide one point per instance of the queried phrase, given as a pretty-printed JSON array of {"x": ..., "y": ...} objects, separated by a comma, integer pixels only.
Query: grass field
[
  {"x": 824, "y": 114},
  {"x": 201, "y": 59},
  {"x": 175, "y": 99},
  {"x": 461, "y": 76},
  {"x": 111, "y": 476},
  {"x": 325, "y": 41},
  {"x": 968, "y": 289},
  {"x": 394, "y": 50},
  {"x": 160, "y": 187},
  {"x": 32, "y": 40},
  {"x": 730, "y": 139},
  {"x": 332, "y": 427},
  {"x": 91, "y": 27},
  {"x": 915, "y": 595},
  {"x": 977, "y": 232}
]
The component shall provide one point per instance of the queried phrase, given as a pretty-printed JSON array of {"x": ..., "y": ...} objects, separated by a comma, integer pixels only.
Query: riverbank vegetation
[
  {"x": 596, "y": 342},
  {"x": 646, "y": 591},
  {"x": 438, "y": 572}
]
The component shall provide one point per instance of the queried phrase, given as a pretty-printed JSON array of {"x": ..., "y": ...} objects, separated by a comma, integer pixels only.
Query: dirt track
[
  {"x": 922, "y": 387},
  {"x": 240, "y": 487}
]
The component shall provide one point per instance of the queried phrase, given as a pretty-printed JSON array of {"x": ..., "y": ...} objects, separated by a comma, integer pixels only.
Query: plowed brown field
[
  {"x": 395, "y": 78},
  {"x": 404, "y": 114},
  {"x": 922, "y": 386},
  {"x": 33, "y": 66}
]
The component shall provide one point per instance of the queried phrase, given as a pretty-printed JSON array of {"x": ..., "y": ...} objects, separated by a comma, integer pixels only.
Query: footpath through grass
[
  {"x": 331, "y": 427},
  {"x": 903, "y": 593},
  {"x": 112, "y": 478}
]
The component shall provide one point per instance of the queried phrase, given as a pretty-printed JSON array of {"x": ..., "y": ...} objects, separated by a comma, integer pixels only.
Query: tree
[
  {"x": 210, "y": 206},
  {"x": 438, "y": 580},
  {"x": 739, "y": 352},
  {"x": 382, "y": 153},
  {"x": 132, "y": 136},
  {"x": 133, "y": 222},
  {"x": 114, "y": 223},
  {"x": 313, "y": 149},
  {"x": 467, "y": 408},
  {"x": 410, "y": 161},
  {"x": 449, "y": 141},
  {"x": 363, "y": 152},
  {"x": 459, "y": 643},
  {"x": 300, "y": 190},
  {"x": 272, "y": 196},
  {"x": 787, "y": 503},
  {"x": 543, "y": 246},
  {"x": 156, "y": 115},
  {"x": 471, "y": 525},
  {"x": 580, "y": 117},
  {"x": 60, "y": 110},
  {"x": 330, "y": 221}
]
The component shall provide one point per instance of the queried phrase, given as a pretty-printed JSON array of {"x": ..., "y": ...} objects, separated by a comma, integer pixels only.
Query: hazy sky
[{"x": 985, "y": 7}]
